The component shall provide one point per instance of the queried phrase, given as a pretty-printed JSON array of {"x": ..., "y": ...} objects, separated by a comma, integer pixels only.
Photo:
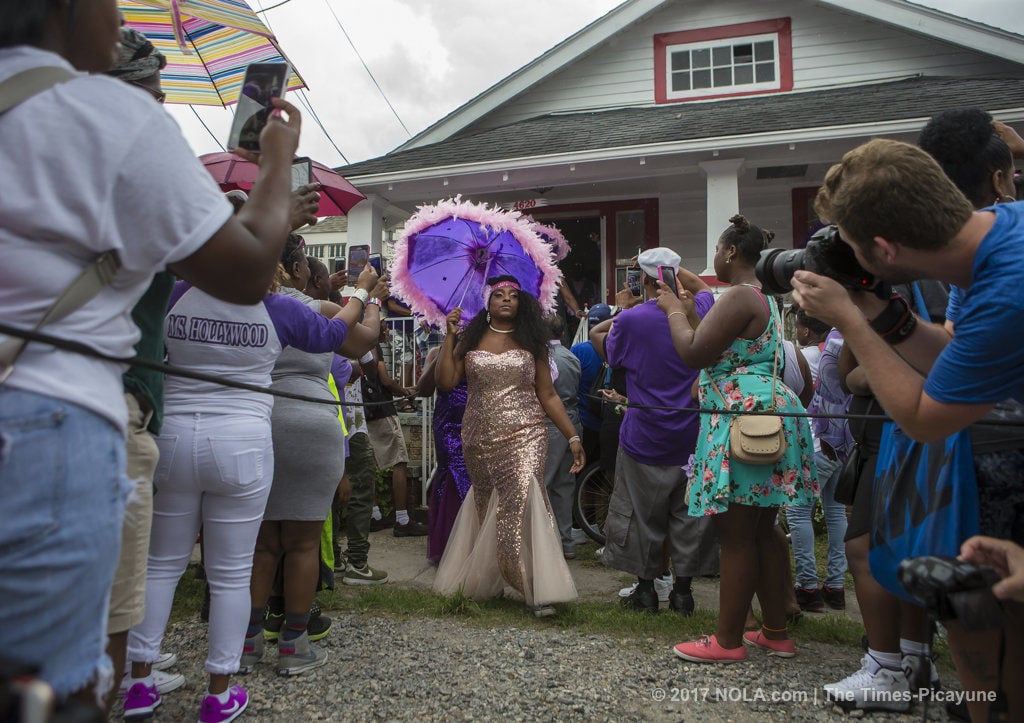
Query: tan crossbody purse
[{"x": 757, "y": 439}]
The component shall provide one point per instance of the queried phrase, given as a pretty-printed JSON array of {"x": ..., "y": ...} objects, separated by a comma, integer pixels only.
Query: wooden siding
[{"x": 829, "y": 48}]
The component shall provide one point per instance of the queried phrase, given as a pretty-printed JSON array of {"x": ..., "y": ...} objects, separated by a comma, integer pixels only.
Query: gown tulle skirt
[
  {"x": 470, "y": 561},
  {"x": 504, "y": 534}
]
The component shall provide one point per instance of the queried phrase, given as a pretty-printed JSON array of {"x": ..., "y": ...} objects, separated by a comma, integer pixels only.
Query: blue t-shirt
[
  {"x": 985, "y": 360},
  {"x": 590, "y": 365},
  {"x": 956, "y": 294}
]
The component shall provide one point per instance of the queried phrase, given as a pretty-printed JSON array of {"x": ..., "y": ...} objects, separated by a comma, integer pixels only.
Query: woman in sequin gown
[{"x": 505, "y": 533}]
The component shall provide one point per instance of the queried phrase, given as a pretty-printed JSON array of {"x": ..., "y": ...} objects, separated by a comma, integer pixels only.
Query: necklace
[{"x": 500, "y": 331}]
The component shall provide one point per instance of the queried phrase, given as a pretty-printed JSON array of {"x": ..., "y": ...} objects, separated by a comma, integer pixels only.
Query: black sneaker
[
  {"x": 810, "y": 601},
  {"x": 644, "y": 601},
  {"x": 412, "y": 528},
  {"x": 835, "y": 598},
  {"x": 319, "y": 624},
  {"x": 681, "y": 602}
]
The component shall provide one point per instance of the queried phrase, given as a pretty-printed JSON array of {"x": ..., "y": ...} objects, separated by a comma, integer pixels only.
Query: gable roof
[
  {"x": 898, "y": 13},
  {"x": 895, "y": 106}
]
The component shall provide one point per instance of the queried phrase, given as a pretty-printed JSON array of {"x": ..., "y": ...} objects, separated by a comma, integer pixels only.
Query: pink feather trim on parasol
[
  {"x": 559, "y": 244},
  {"x": 497, "y": 219}
]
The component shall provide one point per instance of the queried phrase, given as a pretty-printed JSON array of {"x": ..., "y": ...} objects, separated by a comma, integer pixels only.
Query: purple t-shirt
[{"x": 640, "y": 343}]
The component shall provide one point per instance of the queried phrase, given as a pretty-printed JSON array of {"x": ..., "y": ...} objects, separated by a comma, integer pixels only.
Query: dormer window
[{"x": 728, "y": 60}]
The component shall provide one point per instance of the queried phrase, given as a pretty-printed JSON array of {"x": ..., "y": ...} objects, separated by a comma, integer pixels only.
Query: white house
[{"x": 657, "y": 122}]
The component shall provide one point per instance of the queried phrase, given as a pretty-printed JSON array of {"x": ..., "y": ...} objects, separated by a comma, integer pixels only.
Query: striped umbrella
[{"x": 208, "y": 44}]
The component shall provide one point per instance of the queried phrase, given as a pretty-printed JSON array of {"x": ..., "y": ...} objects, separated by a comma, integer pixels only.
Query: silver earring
[
  {"x": 728, "y": 261},
  {"x": 488, "y": 317}
]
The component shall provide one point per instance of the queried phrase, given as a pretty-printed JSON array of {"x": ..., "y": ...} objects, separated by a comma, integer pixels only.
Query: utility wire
[
  {"x": 302, "y": 94},
  {"x": 283, "y": 2},
  {"x": 367, "y": 69},
  {"x": 212, "y": 135}
]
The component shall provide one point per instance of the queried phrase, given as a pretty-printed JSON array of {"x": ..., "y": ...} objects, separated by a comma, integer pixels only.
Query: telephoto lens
[{"x": 776, "y": 267}]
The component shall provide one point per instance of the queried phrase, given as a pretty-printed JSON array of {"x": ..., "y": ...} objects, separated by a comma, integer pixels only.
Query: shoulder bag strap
[
  {"x": 86, "y": 285},
  {"x": 22, "y": 86},
  {"x": 94, "y": 277}
]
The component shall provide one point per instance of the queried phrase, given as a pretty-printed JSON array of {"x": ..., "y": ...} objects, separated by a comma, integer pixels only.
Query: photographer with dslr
[{"x": 905, "y": 219}]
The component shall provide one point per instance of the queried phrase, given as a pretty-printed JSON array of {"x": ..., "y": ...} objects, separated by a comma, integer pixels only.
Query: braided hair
[
  {"x": 749, "y": 240},
  {"x": 531, "y": 331}
]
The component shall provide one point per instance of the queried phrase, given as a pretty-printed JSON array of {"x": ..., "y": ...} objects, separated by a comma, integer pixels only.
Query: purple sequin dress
[{"x": 450, "y": 483}]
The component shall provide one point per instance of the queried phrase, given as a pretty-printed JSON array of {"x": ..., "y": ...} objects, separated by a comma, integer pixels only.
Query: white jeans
[{"x": 214, "y": 472}]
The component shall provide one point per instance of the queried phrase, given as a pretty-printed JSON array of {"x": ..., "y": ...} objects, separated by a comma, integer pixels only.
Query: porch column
[
  {"x": 366, "y": 223},
  {"x": 723, "y": 201}
]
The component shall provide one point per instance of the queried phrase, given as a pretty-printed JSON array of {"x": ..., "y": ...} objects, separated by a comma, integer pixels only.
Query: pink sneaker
[
  {"x": 213, "y": 711},
  {"x": 141, "y": 699},
  {"x": 707, "y": 650},
  {"x": 781, "y": 648}
]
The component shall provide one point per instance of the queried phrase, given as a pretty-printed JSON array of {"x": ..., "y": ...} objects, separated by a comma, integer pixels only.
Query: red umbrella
[{"x": 337, "y": 196}]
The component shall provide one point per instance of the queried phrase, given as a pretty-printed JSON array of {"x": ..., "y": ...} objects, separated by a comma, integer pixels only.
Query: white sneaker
[
  {"x": 165, "y": 682},
  {"x": 883, "y": 690},
  {"x": 918, "y": 676},
  {"x": 165, "y": 661},
  {"x": 662, "y": 586}
]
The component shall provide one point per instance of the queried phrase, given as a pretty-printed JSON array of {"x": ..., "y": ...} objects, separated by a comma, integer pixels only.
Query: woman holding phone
[{"x": 737, "y": 344}]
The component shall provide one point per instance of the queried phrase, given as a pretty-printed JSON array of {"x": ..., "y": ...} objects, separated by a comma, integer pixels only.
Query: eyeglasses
[{"x": 159, "y": 95}]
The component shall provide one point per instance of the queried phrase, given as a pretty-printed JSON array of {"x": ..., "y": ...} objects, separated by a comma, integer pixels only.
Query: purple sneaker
[
  {"x": 141, "y": 700},
  {"x": 213, "y": 711}
]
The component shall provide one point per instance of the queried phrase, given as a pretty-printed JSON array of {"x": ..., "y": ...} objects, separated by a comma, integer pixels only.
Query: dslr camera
[
  {"x": 826, "y": 254},
  {"x": 951, "y": 589}
]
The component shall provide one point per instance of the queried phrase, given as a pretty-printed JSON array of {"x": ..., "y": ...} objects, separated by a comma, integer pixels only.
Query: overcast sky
[{"x": 429, "y": 57}]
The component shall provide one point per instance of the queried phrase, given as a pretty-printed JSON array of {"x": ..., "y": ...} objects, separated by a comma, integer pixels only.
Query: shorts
[
  {"x": 387, "y": 441},
  {"x": 128, "y": 595},
  {"x": 59, "y": 536},
  {"x": 859, "y": 518}
]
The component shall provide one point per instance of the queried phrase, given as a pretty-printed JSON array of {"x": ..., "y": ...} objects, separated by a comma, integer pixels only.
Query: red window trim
[{"x": 780, "y": 25}]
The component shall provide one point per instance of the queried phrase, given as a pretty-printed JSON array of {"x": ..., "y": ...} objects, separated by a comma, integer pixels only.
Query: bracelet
[
  {"x": 681, "y": 313},
  {"x": 362, "y": 295},
  {"x": 575, "y": 438},
  {"x": 374, "y": 302}
]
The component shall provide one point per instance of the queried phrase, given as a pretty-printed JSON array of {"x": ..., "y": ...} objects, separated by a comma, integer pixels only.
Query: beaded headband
[{"x": 503, "y": 284}]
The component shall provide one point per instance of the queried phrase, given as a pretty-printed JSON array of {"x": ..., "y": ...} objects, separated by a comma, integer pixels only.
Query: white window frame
[{"x": 723, "y": 90}]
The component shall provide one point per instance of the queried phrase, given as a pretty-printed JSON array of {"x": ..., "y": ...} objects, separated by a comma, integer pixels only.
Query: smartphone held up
[
  {"x": 262, "y": 82},
  {"x": 667, "y": 275}
]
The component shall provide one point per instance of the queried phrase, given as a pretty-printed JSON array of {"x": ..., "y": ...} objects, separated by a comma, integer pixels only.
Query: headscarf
[{"x": 137, "y": 59}]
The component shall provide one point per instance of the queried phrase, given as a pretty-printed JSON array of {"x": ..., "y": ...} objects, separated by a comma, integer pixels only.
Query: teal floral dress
[{"x": 744, "y": 375}]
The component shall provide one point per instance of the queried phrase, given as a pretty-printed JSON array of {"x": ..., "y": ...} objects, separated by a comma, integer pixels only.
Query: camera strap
[{"x": 96, "y": 275}]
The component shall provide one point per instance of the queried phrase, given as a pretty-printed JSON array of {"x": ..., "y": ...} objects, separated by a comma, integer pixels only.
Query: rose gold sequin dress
[{"x": 505, "y": 533}]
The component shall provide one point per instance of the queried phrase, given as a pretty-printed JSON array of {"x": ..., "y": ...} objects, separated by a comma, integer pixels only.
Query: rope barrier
[{"x": 85, "y": 350}]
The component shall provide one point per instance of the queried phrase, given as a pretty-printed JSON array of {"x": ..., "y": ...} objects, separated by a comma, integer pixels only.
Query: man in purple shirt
[{"x": 648, "y": 505}]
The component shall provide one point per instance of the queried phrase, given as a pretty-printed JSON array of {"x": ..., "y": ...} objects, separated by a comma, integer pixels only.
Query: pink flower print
[
  {"x": 708, "y": 474},
  {"x": 742, "y": 369},
  {"x": 749, "y": 403},
  {"x": 776, "y": 480},
  {"x": 735, "y": 395}
]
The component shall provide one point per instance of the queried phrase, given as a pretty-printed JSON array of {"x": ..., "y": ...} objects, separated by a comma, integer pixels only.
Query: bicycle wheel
[{"x": 590, "y": 507}]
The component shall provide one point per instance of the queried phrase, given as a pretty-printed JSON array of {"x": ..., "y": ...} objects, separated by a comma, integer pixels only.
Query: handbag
[
  {"x": 849, "y": 476},
  {"x": 759, "y": 439},
  {"x": 924, "y": 502}
]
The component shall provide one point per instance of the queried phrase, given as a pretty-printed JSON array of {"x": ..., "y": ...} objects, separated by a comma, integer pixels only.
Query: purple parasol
[{"x": 448, "y": 251}]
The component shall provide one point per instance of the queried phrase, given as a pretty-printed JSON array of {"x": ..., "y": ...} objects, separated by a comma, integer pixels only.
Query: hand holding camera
[
  {"x": 953, "y": 589},
  {"x": 670, "y": 303},
  {"x": 1005, "y": 557}
]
